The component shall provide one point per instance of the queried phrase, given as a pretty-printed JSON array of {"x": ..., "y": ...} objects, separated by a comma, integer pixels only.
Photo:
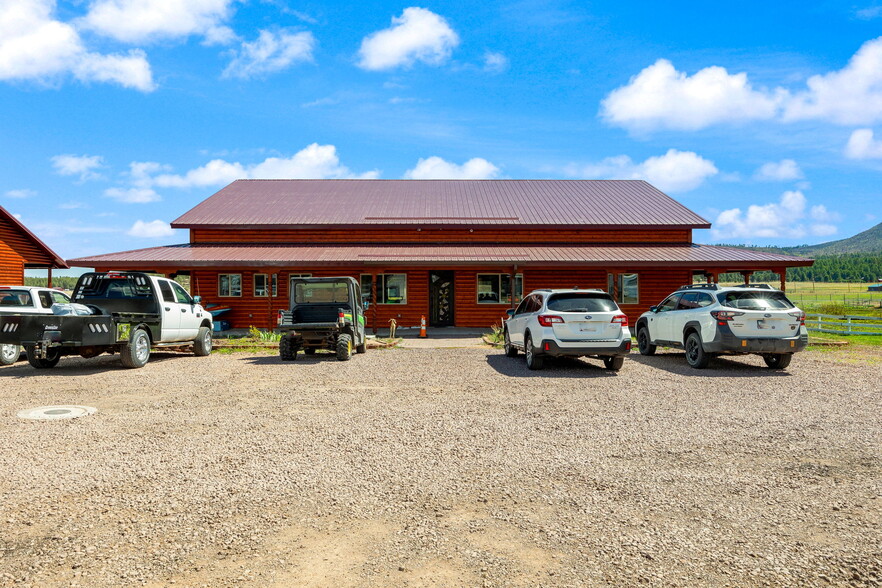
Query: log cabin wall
[{"x": 11, "y": 266}]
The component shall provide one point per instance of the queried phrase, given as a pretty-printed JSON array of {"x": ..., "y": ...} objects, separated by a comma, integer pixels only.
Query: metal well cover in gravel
[{"x": 51, "y": 413}]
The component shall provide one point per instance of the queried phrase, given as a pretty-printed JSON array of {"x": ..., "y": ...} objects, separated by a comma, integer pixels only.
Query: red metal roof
[
  {"x": 291, "y": 203},
  {"x": 54, "y": 260},
  {"x": 187, "y": 256}
]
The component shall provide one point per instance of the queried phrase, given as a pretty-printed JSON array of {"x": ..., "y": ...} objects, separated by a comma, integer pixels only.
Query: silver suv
[
  {"x": 708, "y": 320},
  {"x": 573, "y": 323}
]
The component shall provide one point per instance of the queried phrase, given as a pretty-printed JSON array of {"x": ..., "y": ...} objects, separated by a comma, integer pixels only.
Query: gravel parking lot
[{"x": 443, "y": 467}]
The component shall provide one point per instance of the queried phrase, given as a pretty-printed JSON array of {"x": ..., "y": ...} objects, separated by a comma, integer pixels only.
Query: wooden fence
[{"x": 844, "y": 325}]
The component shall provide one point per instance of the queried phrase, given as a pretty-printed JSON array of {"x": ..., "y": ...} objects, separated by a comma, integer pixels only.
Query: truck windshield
[
  {"x": 318, "y": 292},
  {"x": 14, "y": 298},
  {"x": 758, "y": 300},
  {"x": 118, "y": 288}
]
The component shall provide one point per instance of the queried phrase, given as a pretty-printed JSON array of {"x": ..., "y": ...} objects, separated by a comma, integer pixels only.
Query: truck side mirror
[
  {"x": 653, "y": 309},
  {"x": 197, "y": 300}
]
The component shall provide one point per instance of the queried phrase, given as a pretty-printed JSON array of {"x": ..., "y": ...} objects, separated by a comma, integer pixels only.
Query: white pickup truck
[
  {"x": 114, "y": 312},
  {"x": 26, "y": 300}
]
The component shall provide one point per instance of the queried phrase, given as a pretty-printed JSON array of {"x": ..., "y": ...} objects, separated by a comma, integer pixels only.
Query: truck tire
[
  {"x": 534, "y": 362},
  {"x": 644, "y": 343},
  {"x": 361, "y": 348},
  {"x": 778, "y": 361},
  {"x": 136, "y": 353},
  {"x": 286, "y": 349},
  {"x": 344, "y": 347},
  {"x": 202, "y": 343},
  {"x": 695, "y": 354},
  {"x": 42, "y": 363},
  {"x": 614, "y": 363},
  {"x": 9, "y": 354}
]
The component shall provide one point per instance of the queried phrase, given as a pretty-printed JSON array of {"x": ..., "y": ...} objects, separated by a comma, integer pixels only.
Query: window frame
[
  {"x": 514, "y": 297},
  {"x": 266, "y": 287},
  {"x": 367, "y": 296},
  {"x": 230, "y": 286}
]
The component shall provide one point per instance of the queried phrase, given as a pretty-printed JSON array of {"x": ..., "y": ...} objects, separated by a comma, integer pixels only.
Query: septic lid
[{"x": 50, "y": 413}]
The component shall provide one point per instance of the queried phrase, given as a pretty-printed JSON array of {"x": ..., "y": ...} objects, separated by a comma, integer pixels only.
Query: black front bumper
[
  {"x": 550, "y": 347},
  {"x": 727, "y": 342}
]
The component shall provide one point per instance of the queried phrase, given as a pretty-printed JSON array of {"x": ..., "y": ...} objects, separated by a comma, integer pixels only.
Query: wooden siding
[
  {"x": 261, "y": 312},
  {"x": 11, "y": 266},
  {"x": 442, "y": 235},
  {"x": 23, "y": 245}
]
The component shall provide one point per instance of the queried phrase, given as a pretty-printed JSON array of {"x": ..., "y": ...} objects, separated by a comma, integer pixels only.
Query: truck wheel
[
  {"x": 202, "y": 343},
  {"x": 534, "y": 362},
  {"x": 614, "y": 363},
  {"x": 644, "y": 343},
  {"x": 361, "y": 348},
  {"x": 778, "y": 361},
  {"x": 136, "y": 353},
  {"x": 42, "y": 363},
  {"x": 344, "y": 347},
  {"x": 695, "y": 354},
  {"x": 286, "y": 349},
  {"x": 9, "y": 354}
]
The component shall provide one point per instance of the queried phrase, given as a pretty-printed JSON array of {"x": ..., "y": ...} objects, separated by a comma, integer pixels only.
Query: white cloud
[
  {"x": 133, "y": 195},
  {"x": 78, "y": 165},
  {"x": 144, "y": 21},
  {"x": 780, "y": 171},
  {"x": 869, "y": 13},
  {"x": 150, "y": 230},
  {"x": 417, "y": 35},
  {"x": 863, "y": 145},
  {"x": 495, "y": 62},
  {"x": 675, "y": 171},
  {"x": 312, "y": 162},
  {"x": 849, "y": 96},
  {"x": 271, "y": 52},
  {"x": 662, "y": 97},
  {"x": 790, "y": 217},
  {"x": 36, "y": 47},
  {"x": 435, "y": 168},
  {"x": 25, "y": 193}
]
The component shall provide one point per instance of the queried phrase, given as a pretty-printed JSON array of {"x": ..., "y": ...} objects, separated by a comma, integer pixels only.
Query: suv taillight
[
  {"x": 800, "y": 316},
  {"x": 724, "y": 316},
  {"x": 621, "y": 320},
  {"x": 547, "y": 320}
]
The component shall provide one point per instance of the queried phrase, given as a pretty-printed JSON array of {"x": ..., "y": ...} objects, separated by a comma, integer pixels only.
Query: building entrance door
[{"x": 441, "y": 299}]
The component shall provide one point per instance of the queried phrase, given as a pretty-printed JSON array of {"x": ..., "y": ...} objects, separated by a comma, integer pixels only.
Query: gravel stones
[{"x": 442, "y": 467}]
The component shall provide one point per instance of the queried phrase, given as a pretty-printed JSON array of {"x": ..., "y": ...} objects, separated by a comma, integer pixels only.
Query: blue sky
[{"x": 120, "y": 115}]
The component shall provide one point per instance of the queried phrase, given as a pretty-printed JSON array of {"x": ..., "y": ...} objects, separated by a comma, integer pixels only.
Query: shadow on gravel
[
  {"x": 719, "y": 367},
  {"x": 74, "y": 365},
  {"x": 557, "y": 367},
  {"x": 301, "y": 359}
]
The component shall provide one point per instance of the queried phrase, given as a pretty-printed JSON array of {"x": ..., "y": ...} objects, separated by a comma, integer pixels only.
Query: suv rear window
[
  {"x": 755, "y": 300},
  {"x": 15, "y": 298},
  {"x": 581, "y": 302}
]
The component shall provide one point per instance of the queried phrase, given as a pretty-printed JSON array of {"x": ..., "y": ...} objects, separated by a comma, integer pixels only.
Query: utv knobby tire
[
  {"x": 778, "y": 361},
  {"x": 696, "y": 356},
  {"x": 286, "y": 349},
  {"x": 534, "y": 362},
  {"x": 510, "y": 350},
  {"x": 344, "y": 347},
  {"x": 42, "y": 363},
  {"x": 136, "y": 353},
  {"x": 614, "y": 363},
  {"x": 202, "y": 344},
  {"x": 644, "y": 342},
  {"x": 9, "y": 354},
  {"x": 361, "y": 348}
]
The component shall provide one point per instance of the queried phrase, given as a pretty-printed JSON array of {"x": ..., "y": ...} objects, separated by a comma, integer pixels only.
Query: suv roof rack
[
  {"x": 700, "y": 287},
  {"x": 760, "y": 286}
]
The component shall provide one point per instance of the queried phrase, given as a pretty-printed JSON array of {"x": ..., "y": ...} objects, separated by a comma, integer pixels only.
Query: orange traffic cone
[{"x": 423, "y": 327}]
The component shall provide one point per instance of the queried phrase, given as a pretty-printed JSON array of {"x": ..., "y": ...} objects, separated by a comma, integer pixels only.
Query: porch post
[
  {"x": 374, "y": 301},
  {"x": 511, "y": 284},
  {"x": 49, "y": 280},
  {"x": 783, "y": 275},
  {"x": 746, "y": 276}
]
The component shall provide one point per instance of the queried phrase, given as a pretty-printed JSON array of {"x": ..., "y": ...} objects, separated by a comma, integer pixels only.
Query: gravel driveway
[{"x": 444, "y": 467}]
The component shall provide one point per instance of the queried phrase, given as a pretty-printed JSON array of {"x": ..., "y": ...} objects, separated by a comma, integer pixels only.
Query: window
[
  {"x": 229, "y": 284},
  {"x": 623, "y": 288},
  {"x": 265, "y": 283},
  {"x": 166, "y": 290},
  {"x": 60, "y": 298},
  {"x": 581, "y": 302},
  {"x": 692, "y": 300},
  {"x": 755, "y": 300},
  {"x": 45, "y": 299},
  {"x": 670, "y": 303},
  {"x": 181, "y": 295},
  {"x": 321, "y": 292},
  {"x": 391, "y": 288},
  {"x": 496, "y": 288}
]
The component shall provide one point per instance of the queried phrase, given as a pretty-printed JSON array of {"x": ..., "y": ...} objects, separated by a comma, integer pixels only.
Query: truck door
[
  {"x": 189, "y": 321},
  {"x": 171, "y": 312}
]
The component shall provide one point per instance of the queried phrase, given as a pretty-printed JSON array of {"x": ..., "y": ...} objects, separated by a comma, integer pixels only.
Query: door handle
[
  {"x": 168, "y": 308},
  {"x": 183, "y": 310}
]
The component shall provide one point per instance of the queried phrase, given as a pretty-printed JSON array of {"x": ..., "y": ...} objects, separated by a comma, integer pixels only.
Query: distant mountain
[{"x": 868, "y": 242}]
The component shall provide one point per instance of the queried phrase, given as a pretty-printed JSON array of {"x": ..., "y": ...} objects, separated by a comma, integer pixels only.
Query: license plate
[
  {"x": 763, "y": 324},
  {"x": 588, "y": 328}
]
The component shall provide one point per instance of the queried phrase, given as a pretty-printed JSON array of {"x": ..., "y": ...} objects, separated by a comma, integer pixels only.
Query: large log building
[
  {"x": 20, "y": 249},
  {"x": 454, "y": 251}
]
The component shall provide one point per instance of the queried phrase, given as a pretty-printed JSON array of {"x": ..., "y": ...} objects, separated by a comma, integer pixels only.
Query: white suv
[
  {"x": 26, "y": 300},
  {"x": 708, "y": 320},
  {"x": 573, "y": 323}
]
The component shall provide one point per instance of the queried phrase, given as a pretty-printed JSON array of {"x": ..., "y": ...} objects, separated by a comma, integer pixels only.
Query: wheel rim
[
  {"x": 507, "y": 341},
  {"x": 142, "y": 347},
  {"x": 692, "y": 349},
  {"x": 9, "y": 352},
  {"x": 528, "y": 350},
  {"x": 641, "y": 340},
  {"x": 206, "y": 341}
]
